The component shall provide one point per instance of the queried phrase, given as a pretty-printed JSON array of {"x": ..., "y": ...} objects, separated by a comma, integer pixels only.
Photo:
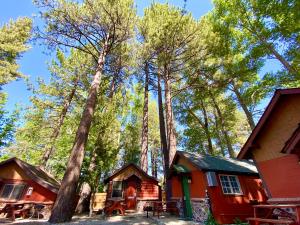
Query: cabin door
[
  {"x": 188, "y": 213},
  {"x": 131, "y": 193}
]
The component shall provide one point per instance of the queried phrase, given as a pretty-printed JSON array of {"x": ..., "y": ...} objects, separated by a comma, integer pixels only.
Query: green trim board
[
  {"x": 188, "y": 213},
  {"x": 181, "y": 169}
]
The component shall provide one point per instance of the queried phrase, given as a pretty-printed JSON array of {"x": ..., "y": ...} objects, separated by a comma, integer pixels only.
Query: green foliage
[
  {"x": 212, "y": 65},
  {"x": 42, "y": 118},
  {"x": 262, "y": 30},
  {"x": 239, "y": 221},
  {"x": 13, "y": 42},
  {"x": 7, "y": 123},
  {"x": 210, "y": 220}
]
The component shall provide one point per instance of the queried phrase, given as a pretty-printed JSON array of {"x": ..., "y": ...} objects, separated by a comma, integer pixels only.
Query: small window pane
[
  {"x": 7, "y": 189},
  {"x": 117, "y": 189},
  {"x": 17, "y": 192},
  {"x": 230, "y": 184},
  {"x": 11, "y": 191}
]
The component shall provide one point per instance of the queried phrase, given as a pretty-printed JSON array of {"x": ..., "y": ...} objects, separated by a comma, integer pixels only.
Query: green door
[{"x": 186, "y": 198}]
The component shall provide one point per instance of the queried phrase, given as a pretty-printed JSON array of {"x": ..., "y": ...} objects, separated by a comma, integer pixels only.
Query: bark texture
[
  {"x": 218, "y": 135},
  {"x": 163, "y": 139},
  {"x": 144, "y": 144},
  {"x": 83, "y": 202},
  {"x": 205, "y": 126},
  {"x": 223, "y": 128},
  {"x": 154, "y": 157},
  {"x": 171, "y": 137},
  {"x": 244, "y": 106},
  {"x": 65, "y": 204},
  {"x": 86, "y": 192},
  {"x": 67, "y": 102}
]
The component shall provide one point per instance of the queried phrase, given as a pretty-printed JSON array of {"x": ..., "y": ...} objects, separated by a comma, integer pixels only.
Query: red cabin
[
  {"x": 274, "y": 145},
  {"x": 20, "y": 181},
  {"x": 133, "y": 186},
  {"x": 228, "y": 187}
]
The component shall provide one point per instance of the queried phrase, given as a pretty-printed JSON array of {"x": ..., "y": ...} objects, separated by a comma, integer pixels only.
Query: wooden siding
[
  {"x": 12, "y": 174},
  {"x": 278, "y": 128},
  {"x": 129, "y": 171},
  {"x": 12, "y": 171},
  {"x": 282, "y": 176},
  {"x": 39, "y": 193},
  {"x": 99, "y": 201},
  {"x": 225, "y": 208},
  {"x": 149, "y": 189}
]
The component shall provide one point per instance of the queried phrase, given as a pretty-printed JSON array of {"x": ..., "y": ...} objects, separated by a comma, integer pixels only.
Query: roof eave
[
  {"x": 106, "y": 180},
  {"x": 244, "y": 153}
]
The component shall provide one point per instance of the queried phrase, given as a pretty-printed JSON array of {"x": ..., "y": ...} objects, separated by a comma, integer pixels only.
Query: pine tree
[{"x": 94, "y": 27}]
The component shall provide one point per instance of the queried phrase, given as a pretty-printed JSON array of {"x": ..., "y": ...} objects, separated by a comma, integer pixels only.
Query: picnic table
[
  {"x": 158, "y": 207},
  {"x": 25, "y": 208},
  {"x": 115, "y": 205},
  {"x": 283, "y": 216}
]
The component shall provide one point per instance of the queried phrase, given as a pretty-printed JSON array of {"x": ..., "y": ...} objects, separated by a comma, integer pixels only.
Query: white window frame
[
  {"x": 14, "y": 186},
  {"x": 237, "y": 181},
  {"x": 112, "y": 189}
]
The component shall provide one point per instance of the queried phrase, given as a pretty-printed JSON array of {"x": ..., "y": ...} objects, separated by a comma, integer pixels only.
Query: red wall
[
  {"x": 39, "y": 194},
  {"x": 225, "y": 207},
  {"x": 148, "y": 190},
  {"x": 282, "y": 176},
  {"x": 197, "y": 185}
]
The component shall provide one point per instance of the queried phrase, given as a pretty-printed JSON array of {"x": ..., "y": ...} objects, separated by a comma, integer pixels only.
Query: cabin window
[
  {"x": 230, "y": 184},
  {"x": 12, "y": 191},
  {"x": 117, "y": 189}
]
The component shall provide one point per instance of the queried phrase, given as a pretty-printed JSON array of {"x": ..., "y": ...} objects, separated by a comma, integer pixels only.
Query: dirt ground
[{"x": 134, "y": 219}]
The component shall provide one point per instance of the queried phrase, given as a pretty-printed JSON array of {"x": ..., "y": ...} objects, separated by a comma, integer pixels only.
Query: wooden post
[{"x": 298, "y": 214}]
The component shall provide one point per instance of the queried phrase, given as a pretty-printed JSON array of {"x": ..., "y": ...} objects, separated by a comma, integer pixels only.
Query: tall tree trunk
[
  {"x": 223, "y": 127},
  {"x": 244, "y": 106},
  {"x": 112, "y": 88},
  {"x": 67, "y": 102},
  {"x": 205, "y": 127},
  {"x": 263, "y": 40},
  {"x": 64, "y": 205},
  {"x": 163, "y": 139},
  {"x": 154, "y": 156},
  {"x": 219, "y": 139},
  {"x": 144, "y": 152},
  {"x": 86, "y": 189},
  {"x": 94, "y": 191},
  {"x": 282, "y": 60},
  {"x": 171, "y": 137},
  {"x": 83, "y": 202}
]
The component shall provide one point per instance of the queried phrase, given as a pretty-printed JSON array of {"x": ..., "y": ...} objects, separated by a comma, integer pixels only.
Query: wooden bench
[
  {"x": 171, "y": 207},
  {"x": 272, "y": 221},
  {"x": 160, "y": 207},
  {"x": 283, "y": 218}
]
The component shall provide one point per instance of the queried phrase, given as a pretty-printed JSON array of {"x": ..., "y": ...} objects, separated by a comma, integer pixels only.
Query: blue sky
[{"x": 34, "y": 62}]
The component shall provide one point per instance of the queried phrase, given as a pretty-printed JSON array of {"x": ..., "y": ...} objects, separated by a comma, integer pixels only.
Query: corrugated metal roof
[{"x": 219, "y": 164}]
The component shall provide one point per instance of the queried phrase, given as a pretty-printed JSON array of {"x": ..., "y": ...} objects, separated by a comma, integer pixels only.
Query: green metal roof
[
  {"x": 180, "y": 168},
  {"x": 219, "y": 164}
]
